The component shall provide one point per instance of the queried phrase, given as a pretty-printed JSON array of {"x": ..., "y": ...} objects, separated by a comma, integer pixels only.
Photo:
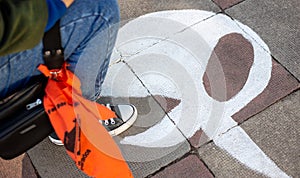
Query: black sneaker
[
  {"x": 54, "y": 139},
  {"x": 126, "y": 116}
]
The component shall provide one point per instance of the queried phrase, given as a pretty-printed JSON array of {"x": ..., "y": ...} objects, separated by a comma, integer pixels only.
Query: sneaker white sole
[
  {"x": 115, "y": 132},
  {"x": 56, "y": 142},
  {"x": 126, "y": 125}
]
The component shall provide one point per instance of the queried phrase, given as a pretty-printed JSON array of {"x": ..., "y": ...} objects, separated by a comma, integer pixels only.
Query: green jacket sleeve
[{"x": 22, "y": 24}]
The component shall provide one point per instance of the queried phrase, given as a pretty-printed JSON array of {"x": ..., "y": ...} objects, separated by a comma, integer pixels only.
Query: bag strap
[{"x": 53, "y": 52}]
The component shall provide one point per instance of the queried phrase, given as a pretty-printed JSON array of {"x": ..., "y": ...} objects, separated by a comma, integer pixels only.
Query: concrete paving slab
[
  {"x": 191, "y": 167},
  {"x": 133, "y": 8},
  {"x": 223, "y": 165},
  {"x": 150, "y": 112},
  {"x": 277, "y": 23},
  {"x": 144, "y": 155},
  {"x": 276, "y": 131},
  {"x": 52, "y": 161},
  {"x": 19, "y": 167},
  {"x": 174, "y": 66},
  {"x": 121, "y": 86},
  {"x": 162, "y": 69},
  {"x": 224, "y": 4},
  {"x": 142, "y": 166},
  {"x": 156, "y": 139},
  {"x": 161, "y": 80},
  {"x": 237, "y": 143},
  {"x": 280, "y": 85},
  {"x": 156, "y": 69},
  {"x": 156, "y": 27},
  {"x": 267, "y": 142},
  {"x": 120, "y": 81}
]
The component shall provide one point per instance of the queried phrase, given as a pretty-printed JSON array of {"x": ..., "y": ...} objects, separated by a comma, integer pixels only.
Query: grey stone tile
[
  {"x": 276, "y": 131},
  {"x": 277, "y": 22},
  {"x": 223, "y": 165},
  {"x": 159, "y": 73},
  {"x": 52, "y": 161},
  {"x": 174, "y": 67},
  {"x": 121, "y": 86},
  {"x": 120, "y": 81},
  {"x": 281, "y": 84},
  {"x": 160, "y": 157},
  {"x": 133, "y": 8},
  {"x": 273, "y": 132},
  {"x": 146, "y": 31},
  {"x": 143, "y": 148},
  {"x": 224, "y": 4}
]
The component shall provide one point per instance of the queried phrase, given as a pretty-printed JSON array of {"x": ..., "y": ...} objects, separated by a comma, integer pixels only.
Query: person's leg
[
  {"x": 88, "y": 30},
  {"x": 16, "y": 69}
]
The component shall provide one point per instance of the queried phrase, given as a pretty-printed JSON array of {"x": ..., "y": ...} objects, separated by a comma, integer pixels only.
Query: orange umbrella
[{"x": 77, "y": 122}]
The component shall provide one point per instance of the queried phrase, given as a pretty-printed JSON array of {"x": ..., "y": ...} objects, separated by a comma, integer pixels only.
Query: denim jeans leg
[
  {"x": 16, "y": 69},
  {"x": 88, "y": 29}
]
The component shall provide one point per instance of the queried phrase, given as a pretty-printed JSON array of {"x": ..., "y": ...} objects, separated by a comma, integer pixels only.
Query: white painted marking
[
  {"x": 238, "y": 144},
  {"x": 171, "y": 62}
]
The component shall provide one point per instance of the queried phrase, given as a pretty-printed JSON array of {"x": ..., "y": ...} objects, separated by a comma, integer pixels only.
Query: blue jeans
[{"x": 88, "y": 29}]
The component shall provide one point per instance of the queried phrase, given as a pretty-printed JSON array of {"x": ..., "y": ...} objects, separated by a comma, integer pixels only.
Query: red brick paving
[
  {"x": 228, "y": 69},
  {"x": 198, "y": 139},
  {"x": 190, "y": 167},
  {"x": 281, "y": 84},
  {"x": 235, "y": 55},
  {"x": 168, "y": 104},
  {"x": 19, "y": 167},
  {"x": 195, "y": 139}
]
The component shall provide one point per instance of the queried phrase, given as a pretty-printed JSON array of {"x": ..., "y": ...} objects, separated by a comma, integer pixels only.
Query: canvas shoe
[
  {"x": 126, "y": 116},
  {"x": 54, "y": 139}
]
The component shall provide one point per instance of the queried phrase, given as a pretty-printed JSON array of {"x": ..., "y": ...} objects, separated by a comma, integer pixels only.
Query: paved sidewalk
[{"x": 216, "y": 88}]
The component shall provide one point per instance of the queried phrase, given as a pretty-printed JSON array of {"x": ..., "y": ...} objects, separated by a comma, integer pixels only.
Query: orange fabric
[{"x": 77, "y": 122}]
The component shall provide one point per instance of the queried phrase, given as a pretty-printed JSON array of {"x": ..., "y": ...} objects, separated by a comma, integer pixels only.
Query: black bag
[{"x": 23, "y": 121}]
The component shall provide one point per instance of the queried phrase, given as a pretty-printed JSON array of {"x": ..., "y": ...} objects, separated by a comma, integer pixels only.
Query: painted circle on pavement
[
  {"x": 185, "y": 57},
  {"x": 169, "y": 52}
]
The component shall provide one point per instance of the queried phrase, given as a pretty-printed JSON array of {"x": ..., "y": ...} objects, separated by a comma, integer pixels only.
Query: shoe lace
[
  {"x": 112, "y": 120},
  {"x": 106, "y": 122}
]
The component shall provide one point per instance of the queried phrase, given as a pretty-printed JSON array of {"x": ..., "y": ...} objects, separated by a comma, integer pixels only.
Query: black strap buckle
[
  {"x": 53, "y": 52},
  {"x": 54, "y": 59}
]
